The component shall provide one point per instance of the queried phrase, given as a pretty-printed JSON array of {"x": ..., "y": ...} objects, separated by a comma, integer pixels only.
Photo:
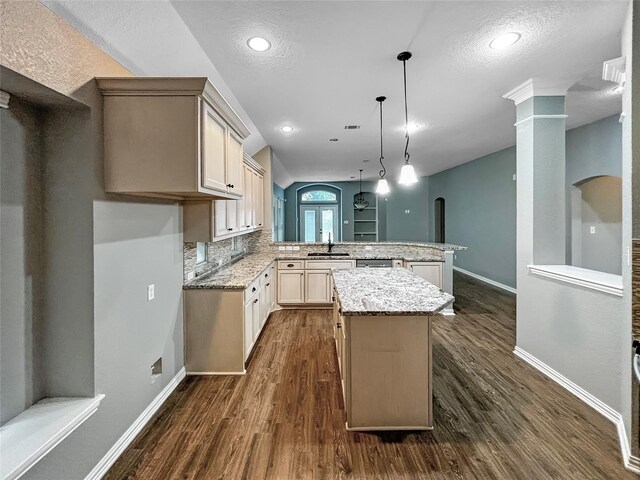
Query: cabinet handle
[
  {"x": 248, "y": 226},
  {"x": 268, "y": 284},
  {"x": 259, "y": 224},
  {"x": 266, "y": 275},
  {"x": 290, "y": 265},
  {"x": 338, "y": 325},
  {"x": 230, "y": 229},
  {"x": 253, "y": 289},
  {"x": 255, "y": 301},
  {"x": 230, "y": 185}
]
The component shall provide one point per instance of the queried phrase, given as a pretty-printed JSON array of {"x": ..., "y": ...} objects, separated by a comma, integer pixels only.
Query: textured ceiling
[{"x": 330, "y": 60}]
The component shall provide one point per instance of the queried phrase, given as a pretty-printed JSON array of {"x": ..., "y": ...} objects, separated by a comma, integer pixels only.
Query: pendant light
[
  {"x": 407, "y": 174},
  {"x": 360, "y": 203},
  {"x": 383, "y": 186}
]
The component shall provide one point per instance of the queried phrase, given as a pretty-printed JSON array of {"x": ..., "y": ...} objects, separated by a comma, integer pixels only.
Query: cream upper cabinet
[
  {"x": 171, "y": 137},
  {"x": 258, "y": 200},
  {"x": 214, "y": 149},
  {"x": 430, "y": 271},
  {"x": 234, "y": 164},
  {"x": 208, "y": 221}
]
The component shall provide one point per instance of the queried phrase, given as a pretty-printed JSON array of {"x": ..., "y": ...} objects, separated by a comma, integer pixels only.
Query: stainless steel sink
[{"x": 327, "y": 254}]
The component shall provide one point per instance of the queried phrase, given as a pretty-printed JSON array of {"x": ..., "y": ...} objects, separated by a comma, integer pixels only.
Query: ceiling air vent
[{"x": 351, "y": 127}]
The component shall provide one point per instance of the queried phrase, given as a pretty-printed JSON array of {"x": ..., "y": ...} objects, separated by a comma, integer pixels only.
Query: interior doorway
[{"x": 439, "y": 220}]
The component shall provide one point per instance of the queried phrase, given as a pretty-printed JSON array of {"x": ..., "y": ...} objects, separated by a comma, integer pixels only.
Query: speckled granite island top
[{"x": 386, "y": 291}]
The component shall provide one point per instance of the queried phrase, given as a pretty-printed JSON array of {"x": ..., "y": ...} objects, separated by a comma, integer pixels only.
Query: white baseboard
[
  {"x": 244, "y": 372},
  {"x": 630, "y": 462},
  {"x": 123, "y": 442},
  {"x": 486, "y": 280}
]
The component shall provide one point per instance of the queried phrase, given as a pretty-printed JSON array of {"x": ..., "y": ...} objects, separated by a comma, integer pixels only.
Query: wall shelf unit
[{"x": 365, "y": 221}]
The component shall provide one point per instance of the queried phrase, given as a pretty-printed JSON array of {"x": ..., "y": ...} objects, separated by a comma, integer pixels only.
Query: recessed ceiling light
[
  {"x": 259, "y": 44},
  {"x": 333, "y": 139},
  {"x": 286, "y": 128},
  {"x": 505, "y": 40}
]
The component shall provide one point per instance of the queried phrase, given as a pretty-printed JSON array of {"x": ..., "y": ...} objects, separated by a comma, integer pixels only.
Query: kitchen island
[{"x": 382, "y": 327}]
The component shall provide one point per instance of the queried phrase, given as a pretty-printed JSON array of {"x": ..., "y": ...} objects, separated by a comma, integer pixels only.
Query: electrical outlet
[
  {"x": 296, "y": 247},
  {"x": 346, "y": 222},
  {"x": 407, "y": 211},
  {"x": 367, "y": 247},
  {"x": 151, "y": 292},
  {"x": 455, "y": 257},
  {"x": 289, "y": 248},
  {"x": 191, "y": 276},
  {"x": 281, "y": 248},
  {"x": 592, "y": 229},
  {"x": 514, "y": 177}
]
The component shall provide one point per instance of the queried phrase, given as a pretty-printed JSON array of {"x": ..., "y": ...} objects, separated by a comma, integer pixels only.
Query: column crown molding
[
  {"x": 538, "y": 87},
  {"x": 614, "y": 70}
]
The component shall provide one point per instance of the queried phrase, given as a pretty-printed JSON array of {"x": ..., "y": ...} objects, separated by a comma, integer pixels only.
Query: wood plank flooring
[{"x": 495, "y": 416}]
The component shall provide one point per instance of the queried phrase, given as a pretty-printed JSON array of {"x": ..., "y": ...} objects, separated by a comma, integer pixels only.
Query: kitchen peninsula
[
  {"x": 227, "y": 307},
  {"x": 382, "y": 328}
]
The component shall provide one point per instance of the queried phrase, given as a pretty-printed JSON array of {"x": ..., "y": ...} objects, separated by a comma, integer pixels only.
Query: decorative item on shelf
[
  {"x": 359, "y": 202},
  {"x": 383, "y": 186},
  {"x": 407, "y": 174}
]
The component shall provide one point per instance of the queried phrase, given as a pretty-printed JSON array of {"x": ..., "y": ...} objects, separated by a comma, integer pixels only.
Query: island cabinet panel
[
  {"x": 291, "y": 286},
  {"x": 171, "y": 137},
  {"x": 430, "y": 271},
  {"x": 388, "y": 372}
]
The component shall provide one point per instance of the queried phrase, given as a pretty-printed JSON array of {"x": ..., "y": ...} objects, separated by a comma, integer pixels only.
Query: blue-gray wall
[
  {"x": 278, "y": 191},
  {"x": 480, "y": 212}
]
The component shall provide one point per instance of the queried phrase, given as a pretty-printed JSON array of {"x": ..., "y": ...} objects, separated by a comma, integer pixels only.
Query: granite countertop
[
  {"x": 436, "y": 246},
  {"x": 238, "y": 275},
  {"x": 386, "y": 291}
]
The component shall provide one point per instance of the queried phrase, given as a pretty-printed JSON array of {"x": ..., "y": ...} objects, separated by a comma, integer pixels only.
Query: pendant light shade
[
  {"x": 407, "y": 174},
  {"x": 383, "y": 186},
  {"x": 359, "y": 202}
]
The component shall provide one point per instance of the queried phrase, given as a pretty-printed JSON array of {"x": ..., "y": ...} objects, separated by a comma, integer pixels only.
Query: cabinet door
[
  {"x": 317, "y": 286},
  {"x": 220, "y": 218},
  {"x": 214, "y": 149},
  {"x": 258, "y": 200},
  {"x": 291, "y": 286},
  {"x": 241, "y": 205},
  {"x": 248, "y": 329},
  {"x": 235, "y": 174},
  {"x": 231, "y": 215},
  {"x": 431, "y": 272},
  {"x": 248, "y": 197},
  {"x": 255, "y": 316},
  {"x": 268, "y": 300}
]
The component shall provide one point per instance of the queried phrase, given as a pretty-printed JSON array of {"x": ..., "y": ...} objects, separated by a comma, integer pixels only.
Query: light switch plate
[
  {"x": 346, "y": 222},
  {"x": 592, "y": 229},
  {"x": 514, "y": 177},
  {"x": 151, "y": 292}
]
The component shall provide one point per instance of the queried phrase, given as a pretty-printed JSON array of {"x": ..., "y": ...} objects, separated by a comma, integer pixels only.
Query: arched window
[
  {"x": 318, "y": 196},
  {"x": 319, "y": 213}
]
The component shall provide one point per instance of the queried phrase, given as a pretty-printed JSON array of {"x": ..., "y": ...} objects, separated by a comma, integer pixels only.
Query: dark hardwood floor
[{"x": 495, "y": 416}]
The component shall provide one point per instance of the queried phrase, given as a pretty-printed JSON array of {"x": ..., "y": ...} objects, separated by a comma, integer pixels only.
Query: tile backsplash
[{"x": 221, "y": 252}]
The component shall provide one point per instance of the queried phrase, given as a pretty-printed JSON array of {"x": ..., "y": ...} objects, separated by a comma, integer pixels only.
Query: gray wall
[
  {"x": 480, "y": 213},
  {"x": 21, "y": 258}
]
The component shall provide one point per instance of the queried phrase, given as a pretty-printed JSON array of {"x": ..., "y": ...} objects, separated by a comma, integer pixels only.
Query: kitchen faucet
[{"x": 331, "y": 244}]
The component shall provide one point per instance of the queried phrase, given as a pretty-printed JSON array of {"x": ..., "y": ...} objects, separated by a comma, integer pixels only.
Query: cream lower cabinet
[
  {"x": 222, "y": 326},
  {"x": 430, "y": 271},
  {"x": 307, "y": 282}
]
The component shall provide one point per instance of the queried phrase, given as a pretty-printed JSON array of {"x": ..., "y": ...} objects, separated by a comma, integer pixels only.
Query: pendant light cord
[
  {"x": 406, "y": 115},
  {"x": 382, "y": 172}
]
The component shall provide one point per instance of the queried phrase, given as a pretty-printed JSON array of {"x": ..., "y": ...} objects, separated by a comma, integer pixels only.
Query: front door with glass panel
[{"x": 317, "y": 222}]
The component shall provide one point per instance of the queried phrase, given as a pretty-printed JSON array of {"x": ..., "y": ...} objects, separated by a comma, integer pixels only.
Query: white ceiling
[{"x": 331, "y": 59}]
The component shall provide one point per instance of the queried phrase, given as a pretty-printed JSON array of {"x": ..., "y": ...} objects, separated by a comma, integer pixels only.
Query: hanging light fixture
[
  {"x": 359, "y": 202},
  {"x": 407, "y": 174},
  {"x": 383, "y": 186}
]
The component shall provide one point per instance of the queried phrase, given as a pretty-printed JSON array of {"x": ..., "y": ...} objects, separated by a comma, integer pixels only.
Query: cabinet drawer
[
  {"x": 328, "y": 264},
  {"x": 290, "y": 265},
  {"x": 252, "y": 289},
  {"x": 266, "y": 274}
]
